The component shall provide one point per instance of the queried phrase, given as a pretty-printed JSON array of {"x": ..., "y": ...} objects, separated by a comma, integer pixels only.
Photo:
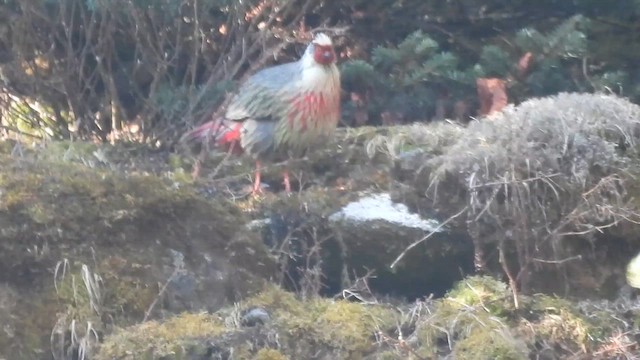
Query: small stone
[{"x": 255, "y": 316}]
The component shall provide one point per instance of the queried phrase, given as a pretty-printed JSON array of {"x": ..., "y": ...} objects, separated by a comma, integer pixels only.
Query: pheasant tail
[{"x": 219, "y": 133}]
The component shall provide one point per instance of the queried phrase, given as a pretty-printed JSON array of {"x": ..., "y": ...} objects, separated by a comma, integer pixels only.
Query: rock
[
  {"x": 84, "y": 245},
  {"x": 312, "y": 329},
  {"x": 477, "y": 318},
  {"x": 379, "y": 208},
  {"x": 375, "y": 231},
  {"x": 255, "y": 316}
]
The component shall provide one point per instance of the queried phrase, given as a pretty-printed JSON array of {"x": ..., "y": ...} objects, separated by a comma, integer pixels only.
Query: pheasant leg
[
  {"x": 257, "y": 189},
  {"x": 285, "y": 180}
]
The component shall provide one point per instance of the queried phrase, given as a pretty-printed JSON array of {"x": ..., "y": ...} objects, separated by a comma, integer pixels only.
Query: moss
[
  {"x": 87, "y": 204},
  {"x": 176, "y": 162},
  {"x": 122, "y": 224},
  {"x": 269, "y": 354},
  {"x": 490, "y": 343},
  {"x": 474, "y": 314},
  {"x": 18, "y": 189},
  {"x": 160, "y": 339},
  {"x": 181, "y": 177},
  {"x": 351, "y": 326},
  {"x": 75, "y": 151},
  {"x": 36, "y": 316},
  {"x": 338, "y": 325},
  {"x": 483, "y": 291},
  {"x": 130, "y": 295},
  {"x": 452, "y": 322},
  {"x": 276, "y": 301},
  {"x": 478, "y": 319},
  {"x": 555, "y": 320}
]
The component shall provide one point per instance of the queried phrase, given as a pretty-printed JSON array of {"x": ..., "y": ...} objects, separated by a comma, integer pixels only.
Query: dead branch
[{"x": 426, "y": 237}]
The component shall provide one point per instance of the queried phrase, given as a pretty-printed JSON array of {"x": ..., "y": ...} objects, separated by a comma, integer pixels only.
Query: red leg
[
  {"x": 195, "y": 172},
  {"x": 256, "y": 183},
  {"x": 287, "y": 184}
]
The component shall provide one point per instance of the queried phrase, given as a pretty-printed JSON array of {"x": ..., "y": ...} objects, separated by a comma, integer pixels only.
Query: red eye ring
[{"x": 324, "y": 54}]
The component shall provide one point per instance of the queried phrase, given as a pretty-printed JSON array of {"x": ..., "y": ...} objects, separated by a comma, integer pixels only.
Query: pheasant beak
[{"x": 327, "y": 55}]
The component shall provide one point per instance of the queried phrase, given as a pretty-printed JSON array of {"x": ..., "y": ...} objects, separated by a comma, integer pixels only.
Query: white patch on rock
[{"x": 380, "y": 207}]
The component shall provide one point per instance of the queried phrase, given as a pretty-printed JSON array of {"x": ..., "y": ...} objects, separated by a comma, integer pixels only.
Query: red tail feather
[{"x": 216, "y": 133}]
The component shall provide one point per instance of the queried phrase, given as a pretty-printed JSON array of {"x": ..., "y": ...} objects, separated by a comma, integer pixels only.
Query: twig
[
  {"x": 162, "y": 291},
  {"x": 577, "y": 257},
  {"x": 542, "y": 177},
  {"x": 426, "y": 237},
  {"x": 513, "y": 284}
]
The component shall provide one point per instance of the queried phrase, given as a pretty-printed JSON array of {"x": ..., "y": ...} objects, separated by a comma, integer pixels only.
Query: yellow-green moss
[
  {"x": 483, "y": 291},
  {"x": 342, "y": 325},
  {"x": 83, "y": 203},
  {"x": 130, "y": 295},
  {"x": 475, "y": 307},
  {"x": 556, "y": 320},
  {"x": 18, "y": 189},
  {"x": 176, "y": 162},
  {"x": 54, "y": 207},
  {"x": 478, "y": 318},
  {"x": 160, "y": 338},
  {"x": 269, "y": 354},
  {"x": 75, "y": 151},
  {"x": 274, "y": 298},
  {"x": 30, "y": 323},
  {"x": 351, "y": 326},
  {"x": 490, "y": 343}
]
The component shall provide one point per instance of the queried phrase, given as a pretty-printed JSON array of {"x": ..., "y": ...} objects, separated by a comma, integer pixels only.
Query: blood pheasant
[{"x": 280, "y": 112}]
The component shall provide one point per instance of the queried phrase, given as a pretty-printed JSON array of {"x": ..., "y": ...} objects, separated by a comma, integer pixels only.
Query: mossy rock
[
  {"x": 323, "y": 326},
  {"x": 171, "y": 339},
  {"x": 558, "y": 323},
  {"x": 315, "y": 328},
  {"x": 490, "y": 343},
  {"x": 478, "y": 319},
  {"x": 134, "y": 231}
]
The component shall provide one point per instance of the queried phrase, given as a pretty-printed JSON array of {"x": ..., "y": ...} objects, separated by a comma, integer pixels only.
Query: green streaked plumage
[{"x": 288, "y": 108}]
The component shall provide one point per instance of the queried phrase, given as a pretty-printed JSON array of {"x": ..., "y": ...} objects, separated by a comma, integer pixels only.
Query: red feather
[
  {"x": 218, "y": 133},
  {"x": 308, "y": 105}
]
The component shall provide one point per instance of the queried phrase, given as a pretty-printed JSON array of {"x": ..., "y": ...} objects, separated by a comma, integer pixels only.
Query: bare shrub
[{"x": 540, "y": 172}]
